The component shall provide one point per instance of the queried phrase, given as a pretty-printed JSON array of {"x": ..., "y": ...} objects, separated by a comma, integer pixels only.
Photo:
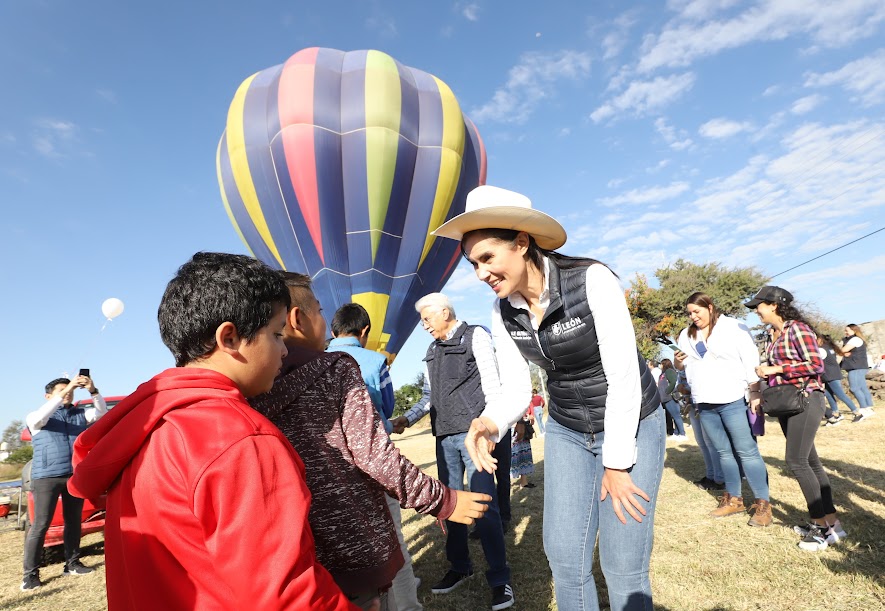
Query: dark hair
[
  {"x": 51, "y": 386},
  {"x": 213, "y": 288},
  {"x": 300, "y": 289},
  {"x": 350, "y": 319},
  {"x": 827, "y": 342},
  {"x": 535, "y": 253},
  {"x": 666, "y": 364},
  {"x": 790, "y": 312},
  {"x": 703, "y": 300}
]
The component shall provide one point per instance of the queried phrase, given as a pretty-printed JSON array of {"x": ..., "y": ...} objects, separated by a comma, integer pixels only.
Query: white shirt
[
  {"x": 727, "y": 368},
  {"x": 37, "y": 419},
  {"x": 617, "y": 349},
  {"x": 854, "y": 342}
]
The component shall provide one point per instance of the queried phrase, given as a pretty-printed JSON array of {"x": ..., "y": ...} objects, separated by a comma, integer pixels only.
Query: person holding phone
[
  {"x": 720, "y": 358},
  {"x": 54, "y": 428},
  {"x": 793, "y": 358},
  {"x": 605, "y": 441}
]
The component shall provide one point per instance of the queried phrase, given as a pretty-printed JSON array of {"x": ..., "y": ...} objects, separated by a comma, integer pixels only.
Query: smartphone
[
  {"x": 84, "y": 372},
  {"x": 671, "y": 346}
]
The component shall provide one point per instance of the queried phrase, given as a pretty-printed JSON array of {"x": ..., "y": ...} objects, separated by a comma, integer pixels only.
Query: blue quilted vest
[{"x": 54, "y": 443}]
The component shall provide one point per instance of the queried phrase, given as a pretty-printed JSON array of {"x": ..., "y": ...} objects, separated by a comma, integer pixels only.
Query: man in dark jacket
[{"x": 461, "y": 377}]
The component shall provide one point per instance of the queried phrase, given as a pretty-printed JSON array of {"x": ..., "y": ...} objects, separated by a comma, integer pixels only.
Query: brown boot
[
  {"x": 762, "y": 513},
  {"x": 728, "y": 505}
]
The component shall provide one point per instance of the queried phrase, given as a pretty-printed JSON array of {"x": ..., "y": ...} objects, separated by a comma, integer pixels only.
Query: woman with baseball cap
[
  {"x": 794, "y": 358},
  {"x": 604, "y": 447}
]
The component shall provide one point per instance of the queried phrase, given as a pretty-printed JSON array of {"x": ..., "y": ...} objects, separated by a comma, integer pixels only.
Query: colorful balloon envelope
[{"x": 339, "y": 165}]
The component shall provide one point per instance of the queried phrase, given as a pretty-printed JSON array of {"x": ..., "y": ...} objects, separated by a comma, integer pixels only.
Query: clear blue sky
[{"x": 746, "y": 133}]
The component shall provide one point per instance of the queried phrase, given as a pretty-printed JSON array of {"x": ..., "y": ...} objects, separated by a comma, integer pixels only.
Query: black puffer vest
[
  {"x": 857, "y": 359},
  {"x": 832, "y": 372},
  {"x": 456, "y": 396},
  {"x": 566, "y": 347}
]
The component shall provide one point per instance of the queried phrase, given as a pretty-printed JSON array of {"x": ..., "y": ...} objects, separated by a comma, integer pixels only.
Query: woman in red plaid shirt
[{"x": 794, "y": 358}]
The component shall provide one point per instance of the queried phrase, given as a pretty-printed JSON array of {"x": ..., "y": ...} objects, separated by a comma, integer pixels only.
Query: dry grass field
[{"x": 699, "y": 564}]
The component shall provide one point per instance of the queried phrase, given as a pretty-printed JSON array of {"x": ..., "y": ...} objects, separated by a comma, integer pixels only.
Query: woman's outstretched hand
[
  {"x": 480, "y": 445},
  {"x": 619, "y": 484}
]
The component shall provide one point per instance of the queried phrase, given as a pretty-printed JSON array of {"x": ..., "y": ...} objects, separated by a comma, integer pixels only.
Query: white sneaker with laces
[{"x": 834, "y": 532}]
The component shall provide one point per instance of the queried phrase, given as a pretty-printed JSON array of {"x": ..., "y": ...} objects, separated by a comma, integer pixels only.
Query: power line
[{"x": 829, "y": 252}]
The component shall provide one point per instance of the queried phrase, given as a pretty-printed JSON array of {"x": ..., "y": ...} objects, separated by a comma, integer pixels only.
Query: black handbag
[{"x": 784, "y": 400}]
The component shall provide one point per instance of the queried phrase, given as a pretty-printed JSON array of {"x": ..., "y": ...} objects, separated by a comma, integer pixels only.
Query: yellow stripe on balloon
[
  {"x": 239, "y": 163},
  {"x": 452, "y": 152},
  {"x": 230, "y": 213},
  {"x": 376, "y": 306},
  {"x": 383, "y": 106}
]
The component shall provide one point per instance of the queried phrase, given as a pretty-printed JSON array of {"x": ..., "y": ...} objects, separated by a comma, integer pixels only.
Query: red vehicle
[{"x": 93, "y": 509}]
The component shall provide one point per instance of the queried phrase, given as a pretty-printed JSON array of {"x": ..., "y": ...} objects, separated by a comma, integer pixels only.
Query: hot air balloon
[{"x": 338, "y": 165}]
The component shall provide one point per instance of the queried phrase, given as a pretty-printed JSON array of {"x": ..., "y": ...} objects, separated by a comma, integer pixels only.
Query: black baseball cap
[{"x": 771, "y": 294}]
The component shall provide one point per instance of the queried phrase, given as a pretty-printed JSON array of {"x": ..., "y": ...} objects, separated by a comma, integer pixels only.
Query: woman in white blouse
[
  {"x": 604, "y": 447},
  {"x": 719, "y": 358}
]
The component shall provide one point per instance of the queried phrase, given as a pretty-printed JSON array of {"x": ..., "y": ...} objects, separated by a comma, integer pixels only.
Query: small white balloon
[{"x": 112, "y": 308}]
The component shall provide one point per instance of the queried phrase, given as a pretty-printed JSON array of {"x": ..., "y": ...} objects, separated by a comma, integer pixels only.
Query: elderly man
[{"x": 461, "y": 379}]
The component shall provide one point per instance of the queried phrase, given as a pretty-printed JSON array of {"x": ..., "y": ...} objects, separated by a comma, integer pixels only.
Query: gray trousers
[{"x": 45, "y": 492}]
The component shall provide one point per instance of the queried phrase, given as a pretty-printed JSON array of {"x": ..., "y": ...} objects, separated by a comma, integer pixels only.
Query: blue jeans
[
  {"x": 835, "y": 391},
  {"x": 726, "y": 427},
  {"x": 711, "y": 456},
  {"x": 452, "y": 462},
  {"x": 539, "y": 421},
  {"x": 573, "y": 516},
  {"x": 857, "y": 382},
  {"x": 673, "y": 408}
]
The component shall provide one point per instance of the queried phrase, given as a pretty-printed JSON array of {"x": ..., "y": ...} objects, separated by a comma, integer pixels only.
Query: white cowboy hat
[{"x": 495, "y": 208}]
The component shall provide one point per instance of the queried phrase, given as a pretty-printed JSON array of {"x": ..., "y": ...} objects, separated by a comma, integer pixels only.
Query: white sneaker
[
  {"x": 835, "y": 533},
  {"x": 815, "y": 540}
]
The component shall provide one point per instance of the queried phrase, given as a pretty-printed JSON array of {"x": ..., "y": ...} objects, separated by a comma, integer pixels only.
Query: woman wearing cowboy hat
[{"x": 604, "y": 448}]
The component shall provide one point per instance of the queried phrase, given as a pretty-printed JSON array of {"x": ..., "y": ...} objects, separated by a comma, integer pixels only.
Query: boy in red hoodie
[{"x": 207, "y": 502}]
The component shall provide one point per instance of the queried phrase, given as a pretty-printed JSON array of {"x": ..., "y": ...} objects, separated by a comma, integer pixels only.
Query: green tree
[
  {"x": 20, "y": 456},
  {"x": 407, "y": 395},
  {"x": 538, "y": 376},
  {"x": 12, "y": 434},
  {"x": 660, "y": 312},
  {"x": 645, "y": 324}
]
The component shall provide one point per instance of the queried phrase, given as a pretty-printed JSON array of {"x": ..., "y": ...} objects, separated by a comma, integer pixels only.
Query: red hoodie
[{"x": 207, "y": 502}]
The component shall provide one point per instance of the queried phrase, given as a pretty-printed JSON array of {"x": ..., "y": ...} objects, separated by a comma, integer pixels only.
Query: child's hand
[
  {"x": 469, "y": 506},
  {"x": 400, "y": 424}
]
